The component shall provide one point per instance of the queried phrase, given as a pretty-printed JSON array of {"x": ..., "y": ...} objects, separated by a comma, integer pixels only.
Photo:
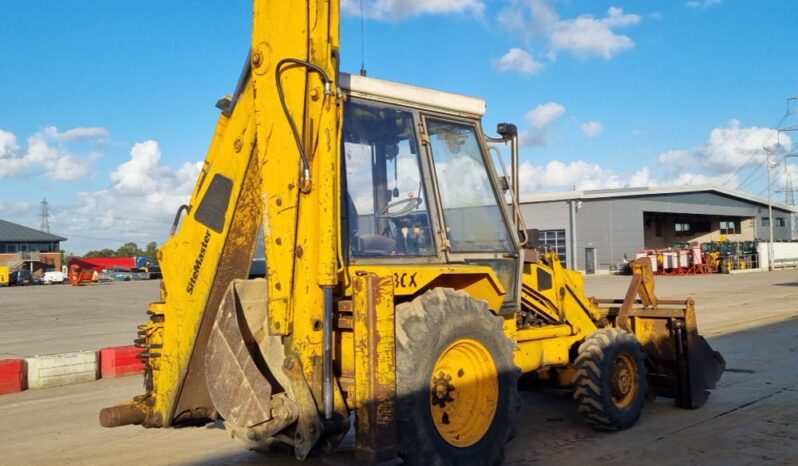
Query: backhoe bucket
[{"x": 238, "y": 388}]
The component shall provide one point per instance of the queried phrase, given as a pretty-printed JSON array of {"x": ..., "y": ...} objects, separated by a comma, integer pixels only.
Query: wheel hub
[
  {"x": 441, "y": 390},
  {"x": 464, "y": 392},
  {"x": 623, "y": 383}
]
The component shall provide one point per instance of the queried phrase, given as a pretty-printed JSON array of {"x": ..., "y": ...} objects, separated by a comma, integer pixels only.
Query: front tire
[
  {"x": 456, "y": 381},
  {"x": 610, "y": 384}
]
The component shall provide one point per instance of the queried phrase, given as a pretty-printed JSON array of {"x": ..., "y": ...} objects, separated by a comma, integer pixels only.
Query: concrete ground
[
  {"x": 48, "y": 319},
  {"x": 750, "y": 419}
]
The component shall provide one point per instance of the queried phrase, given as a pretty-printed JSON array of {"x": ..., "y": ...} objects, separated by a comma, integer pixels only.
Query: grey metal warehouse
[{"x": 603, "y": 227}]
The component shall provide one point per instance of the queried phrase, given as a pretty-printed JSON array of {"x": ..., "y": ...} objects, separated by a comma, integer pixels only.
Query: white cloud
[
  {"x": 138, "y": 205},
  {"x": 715, "y": 163},
  {"x": 581, "y": 175},
  {"x": 137, "y": 175},
  {"x": 727, "y": 150},
  {"x": 395, "y": 10},
  {"x": 559, "y": 175},
  {"x": 584, "y": 36},
  {"x": 48, "y": 154},
  {"x": 81, "y": 134},
  {"x": 8, "y": 143},
  {"x": 592, "y": 129},
  {"x": 518, "y": 60},
  {"x": 543, "y": 115},
  {"x": 540, "y": 119},
  {"x": 703, "y": 4}
]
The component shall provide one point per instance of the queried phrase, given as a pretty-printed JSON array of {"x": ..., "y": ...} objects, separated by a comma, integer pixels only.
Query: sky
[{"x": 107, "y": 108}]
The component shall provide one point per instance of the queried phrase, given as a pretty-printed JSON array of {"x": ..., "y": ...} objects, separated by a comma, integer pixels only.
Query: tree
[
  {"x": 101, "y": 253},
  {"x": 129, "y": 250},
  {"x": 151, "y": 252}
]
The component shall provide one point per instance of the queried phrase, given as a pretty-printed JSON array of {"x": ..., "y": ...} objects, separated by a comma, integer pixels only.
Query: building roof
[
  {"x": 650, "y": 191},
  {"x": 13, "y": 233}
]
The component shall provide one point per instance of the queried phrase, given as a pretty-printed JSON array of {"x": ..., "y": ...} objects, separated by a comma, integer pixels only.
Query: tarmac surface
[{"x": 751, "y": 418}]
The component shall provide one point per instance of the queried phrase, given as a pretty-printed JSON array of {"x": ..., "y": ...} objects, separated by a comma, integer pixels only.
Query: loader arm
[{"x": 273, "y": 164}]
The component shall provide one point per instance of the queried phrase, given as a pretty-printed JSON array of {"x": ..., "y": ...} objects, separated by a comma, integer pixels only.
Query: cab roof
[{"x": 412, "y": 96}]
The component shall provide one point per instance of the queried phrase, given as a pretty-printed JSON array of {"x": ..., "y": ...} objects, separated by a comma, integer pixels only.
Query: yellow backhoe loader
[{"x": 400, "y": 295}]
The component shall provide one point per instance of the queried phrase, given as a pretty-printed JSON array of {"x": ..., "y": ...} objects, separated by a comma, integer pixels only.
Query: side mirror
[{"x": 507, "y": 131}]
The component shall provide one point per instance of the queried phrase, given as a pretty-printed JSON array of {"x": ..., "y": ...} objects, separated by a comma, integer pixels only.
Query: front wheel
[
  {"x": 456, "y": 381},
  {"x": 610, "y": 384}
]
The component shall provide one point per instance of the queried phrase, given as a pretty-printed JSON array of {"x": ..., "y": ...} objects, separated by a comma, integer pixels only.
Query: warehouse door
[{"x": 590, "y": 261}]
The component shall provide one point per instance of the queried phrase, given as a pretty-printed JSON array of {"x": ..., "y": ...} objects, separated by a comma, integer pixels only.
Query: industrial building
[
  {"x": 594, "y": 231},
  {"x": 37, "y": 250}
]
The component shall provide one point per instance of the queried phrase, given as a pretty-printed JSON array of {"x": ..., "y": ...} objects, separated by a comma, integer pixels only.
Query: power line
[{"x": 758, "y": 151}]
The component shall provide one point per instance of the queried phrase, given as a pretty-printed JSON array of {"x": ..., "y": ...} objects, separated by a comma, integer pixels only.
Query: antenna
[
  {"x": 362, "y": 44},
  {"x": 45, "y": 216}
]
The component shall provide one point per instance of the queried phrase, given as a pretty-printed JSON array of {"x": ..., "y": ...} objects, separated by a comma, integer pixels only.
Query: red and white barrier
[
  {"x": 119, "y": 361},
  {"x": 13, "y": 376},
  {"x": 62, "y": 369},
  {"x": 55, "y": 370}
]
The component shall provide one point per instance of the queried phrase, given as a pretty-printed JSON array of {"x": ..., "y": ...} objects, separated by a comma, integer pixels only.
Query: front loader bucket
[
  {"x": 681, "y": 364},
  {"x": 704, "y": 368}
]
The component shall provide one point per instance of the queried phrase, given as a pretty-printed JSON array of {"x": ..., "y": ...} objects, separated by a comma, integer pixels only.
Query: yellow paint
[
  {"x": 375, "y": 357},
  {"x": 409, "y": 280},
  {"x": 3, "y": 275},
  {"x": 300, "y": 219},
  {"x": 465, "y": 392}
]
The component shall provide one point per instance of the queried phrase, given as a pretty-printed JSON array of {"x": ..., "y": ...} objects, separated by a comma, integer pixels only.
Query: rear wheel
[
  {"x": 456, "y": 380},
  {"x": 610, "y": 379}
]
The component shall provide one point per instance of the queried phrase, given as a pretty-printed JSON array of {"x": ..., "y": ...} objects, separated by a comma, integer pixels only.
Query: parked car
[
  {"x": 138, "y": 274},
  {"x": 21, "y": 277},
  {"x": 155, "y": 272},
  {"x": 116, "y": 274},
  {"x": 50, "y": 278}
]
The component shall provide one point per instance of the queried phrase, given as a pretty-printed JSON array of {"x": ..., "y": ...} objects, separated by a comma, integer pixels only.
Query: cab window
[
  {"x": 385, "y": 203},
  {"x": 474, "y": 222}
]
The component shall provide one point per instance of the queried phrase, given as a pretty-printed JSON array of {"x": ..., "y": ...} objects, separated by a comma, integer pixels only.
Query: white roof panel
[{"x": 415, "y": 96}]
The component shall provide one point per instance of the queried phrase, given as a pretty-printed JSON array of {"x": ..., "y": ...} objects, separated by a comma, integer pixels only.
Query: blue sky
[{"x": 108, "y": 106}]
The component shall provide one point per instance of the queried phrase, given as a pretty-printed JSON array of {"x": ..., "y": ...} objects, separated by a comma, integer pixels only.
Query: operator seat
[{"x": 365, "y": 244}]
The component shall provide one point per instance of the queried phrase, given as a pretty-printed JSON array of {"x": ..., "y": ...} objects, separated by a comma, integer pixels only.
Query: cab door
[{"x": 470, "y": 205}]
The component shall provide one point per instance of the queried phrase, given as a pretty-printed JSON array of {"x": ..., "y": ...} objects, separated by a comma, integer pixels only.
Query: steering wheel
[{"x": 408, "y": 204}]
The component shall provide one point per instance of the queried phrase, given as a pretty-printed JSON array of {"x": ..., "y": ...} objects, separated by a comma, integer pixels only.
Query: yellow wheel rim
[
  {"x": 623, "y": 385},
  {"x": 464, "y": 392}
]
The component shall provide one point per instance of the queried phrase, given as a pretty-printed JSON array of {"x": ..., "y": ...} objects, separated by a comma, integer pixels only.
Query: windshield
[{"x": 474, "y": 222}]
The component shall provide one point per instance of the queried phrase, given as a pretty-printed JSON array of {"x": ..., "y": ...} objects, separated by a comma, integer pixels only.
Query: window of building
[
  {"x": 682, "y": 228},
  {"x": 729, "y": 227},
  {"x": 765, "y": 222},
  {"x": 701, "y": 226},
  {"x": 554, "y": 240},
  {"x": 780, "y": 222}
]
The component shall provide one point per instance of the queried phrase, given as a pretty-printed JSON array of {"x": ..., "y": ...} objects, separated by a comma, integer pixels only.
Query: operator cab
[{"x": 419, "y": 183}]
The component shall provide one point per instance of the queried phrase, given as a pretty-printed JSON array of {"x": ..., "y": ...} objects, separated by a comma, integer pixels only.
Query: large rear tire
[
  {"x": 610, "y": 384},
  {"x": 456, "y": 381}
]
